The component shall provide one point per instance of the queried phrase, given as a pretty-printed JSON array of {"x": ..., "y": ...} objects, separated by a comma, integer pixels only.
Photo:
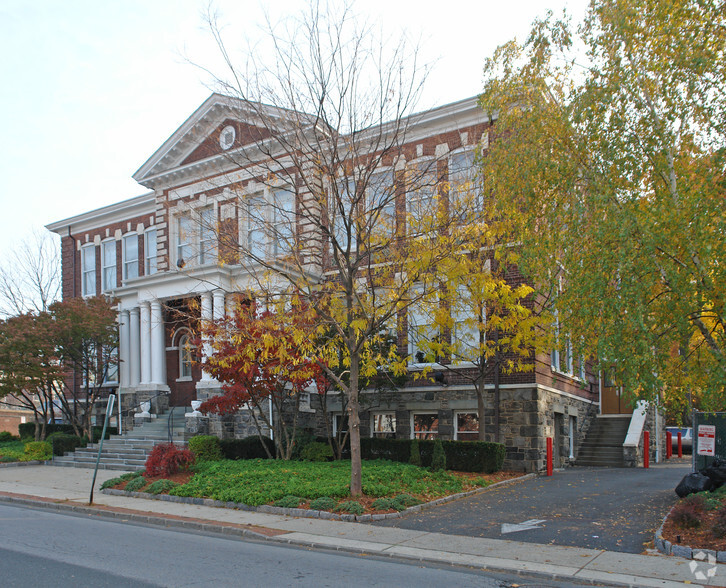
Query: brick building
[{"x": 146, "y": 254}]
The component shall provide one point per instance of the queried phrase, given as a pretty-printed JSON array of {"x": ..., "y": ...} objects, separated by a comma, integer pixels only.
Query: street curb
[
  {"x": 309, "y": 513},
  {"x": 280, "y": 537},
  {"x": 16, "y": 464},
  {"x": 684, "y": 551},
  {"x": 219, "y": 528}
]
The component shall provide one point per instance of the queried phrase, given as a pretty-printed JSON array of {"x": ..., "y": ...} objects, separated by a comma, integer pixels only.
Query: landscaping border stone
[
  {"x": 666, "y": 547},
  {"x": 312, "y": 514}
]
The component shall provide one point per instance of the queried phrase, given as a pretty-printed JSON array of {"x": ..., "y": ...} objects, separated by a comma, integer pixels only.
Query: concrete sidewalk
[{"x": 67, "y": 490}]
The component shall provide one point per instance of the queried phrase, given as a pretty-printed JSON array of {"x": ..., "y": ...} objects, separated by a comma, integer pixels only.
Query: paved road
[
  {"x": 616, "y": 509},
  {"x": 39, "y": 548}
]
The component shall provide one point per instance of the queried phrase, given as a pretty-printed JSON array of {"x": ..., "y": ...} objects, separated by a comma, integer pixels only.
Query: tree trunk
[
  {"x": 356, "y": 487},
  {"x": 480, "y": 406}
]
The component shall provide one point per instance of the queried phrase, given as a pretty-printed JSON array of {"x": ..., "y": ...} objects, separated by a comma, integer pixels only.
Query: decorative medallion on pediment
[{"x": 229, "y": 135}]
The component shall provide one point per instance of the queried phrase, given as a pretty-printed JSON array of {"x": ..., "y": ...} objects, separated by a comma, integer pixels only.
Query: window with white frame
[
  {"x": 421, "y": 196},
  {"x": 383, "y": 424},
  {"x": 196, "y": 238},
  {"x": 88, "y": 270},
  {"x": 255, "y": 227},
  {"x": 340, "y": 423},
  {"x": 185, "y": 358},
  {"x": 561, "y": 355},
  {"x": 468, "y": 316},
  {"x": 150, "y": 266},
  {"x": 464, "y": 194},
  {"x": 424, "y": 425},
  {"x": 131, "y": 256},
  {"x": 207, "y": 235},
  {"x": 108, "y": 265},
  {"x": 382, "y": 197},
  {"x": 341, "y": 215},
  {"x": 283, "y": 221},
  {"x": 422, "y": 331},
  {"x": 111, "y": 371},
  {"x": 467, "y": 426}
]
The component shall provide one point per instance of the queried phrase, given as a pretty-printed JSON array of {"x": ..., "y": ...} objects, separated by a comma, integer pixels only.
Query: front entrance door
[
  {"x": 557, "y": 441},
  {"x": 613, "y": 401}
]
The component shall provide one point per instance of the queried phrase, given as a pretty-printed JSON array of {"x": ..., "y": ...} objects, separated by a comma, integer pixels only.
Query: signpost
[
  {"x": 707, "y": 440},
  {"x": 109, "y": 412}
]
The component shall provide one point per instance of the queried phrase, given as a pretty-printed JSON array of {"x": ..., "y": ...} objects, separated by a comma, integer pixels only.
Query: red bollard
[
  {"x": 646, "y": 449},
  {"x": 680, "y": 444},
  {"x": 669, "y": 444},
  {"x": 549, "y": 456}
]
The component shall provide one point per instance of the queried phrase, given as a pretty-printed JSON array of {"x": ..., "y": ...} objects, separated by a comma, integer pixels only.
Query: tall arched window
[{"x": 185, "y": 358}]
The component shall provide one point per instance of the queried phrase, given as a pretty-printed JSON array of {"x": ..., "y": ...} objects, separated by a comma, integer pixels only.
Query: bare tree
[
  {"x": 30, "y": 278},
  {"x": 314, "y": 186}
]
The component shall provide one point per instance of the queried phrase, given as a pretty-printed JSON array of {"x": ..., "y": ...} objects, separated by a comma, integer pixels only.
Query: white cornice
[{"x": 119, "y": 212}]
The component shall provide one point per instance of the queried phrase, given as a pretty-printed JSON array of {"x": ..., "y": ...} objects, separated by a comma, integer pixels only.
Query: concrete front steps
[
  {"x": 603, "y": 446},
  {"x": 128, "y": 452}
]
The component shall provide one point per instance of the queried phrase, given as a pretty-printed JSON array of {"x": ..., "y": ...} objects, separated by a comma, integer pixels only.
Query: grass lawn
[
  {"x": 11, "y": 451},
  {"x": 297, "y": 483}
]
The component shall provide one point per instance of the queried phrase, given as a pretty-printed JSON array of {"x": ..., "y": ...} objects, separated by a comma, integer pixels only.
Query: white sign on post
[{"x": 706, "y": 439}]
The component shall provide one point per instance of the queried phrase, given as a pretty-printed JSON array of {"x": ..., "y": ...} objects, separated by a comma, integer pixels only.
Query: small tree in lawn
[
  {"x": 30, "y": 368},
  {"x": 261, "y": 360},
  {"x": 86, "y": 341}
]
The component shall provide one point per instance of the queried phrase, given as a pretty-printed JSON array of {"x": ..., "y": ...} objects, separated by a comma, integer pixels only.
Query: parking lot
[{"x": 617, "y": 509}]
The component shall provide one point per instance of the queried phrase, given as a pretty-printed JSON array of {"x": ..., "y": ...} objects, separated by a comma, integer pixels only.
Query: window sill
[{"x": 187, "y": 379}]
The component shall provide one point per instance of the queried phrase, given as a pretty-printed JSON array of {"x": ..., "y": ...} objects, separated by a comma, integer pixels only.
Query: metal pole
[{"x": 109, "y": 410}]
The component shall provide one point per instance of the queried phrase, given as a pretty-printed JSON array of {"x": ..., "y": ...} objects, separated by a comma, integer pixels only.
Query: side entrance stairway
[
  {"x": 129, "y": 451},
  {"x": 603, "y": 445}
]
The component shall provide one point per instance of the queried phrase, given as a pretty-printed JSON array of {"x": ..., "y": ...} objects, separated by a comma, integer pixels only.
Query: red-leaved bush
[{"x": 167, "y": 459}]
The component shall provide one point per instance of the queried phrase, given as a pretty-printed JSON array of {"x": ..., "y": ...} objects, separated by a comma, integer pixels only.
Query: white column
[
  {"x": 206, "y": 312},
  {"x": 124, "y": 348},
  {"x": 134, "y": 346},
  {"x": 219, "y": 308},
  {"x": 158, "y": 349},
  {"x": 145, "y": 343}
]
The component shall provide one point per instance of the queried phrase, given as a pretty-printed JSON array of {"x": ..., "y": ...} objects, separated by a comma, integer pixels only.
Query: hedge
[
  {"x": 63, "y": 443},
  {"x": 248, "y": 448},
  {"x": 28, "y": 430},
  {"x": 463, "y": 456}
]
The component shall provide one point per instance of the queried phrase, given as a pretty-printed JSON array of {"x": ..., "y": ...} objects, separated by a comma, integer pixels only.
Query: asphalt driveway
[{"x": 616, "y": 509}]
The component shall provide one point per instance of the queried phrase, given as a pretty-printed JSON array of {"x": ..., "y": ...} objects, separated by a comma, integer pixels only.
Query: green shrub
[
  {"x": 303, "y": 438},
  {"x": 415, "y": 453},
  {"x": 323, "y": 503},
  {"x": 63, "y": 443},
  {"x": 7, "y": 459},
  {"x": 351, "y": 507},
  {"x": 37, "y": 450},
  {"x": 205, "y": 448},
  {"x": 403, "y": 501},
  {"x": 6, "y": 436},
  {"x": 316, "y": 451},
  {"x": 288, "y": 501},
  {"x": 136, "y": 484},
  {"x": 382, "y": 504},
  {"x": 248, "y": 448},
  {"x": 130, "y": 476},
  {"x": 160, "y": 486},
  {"x": 438, "y": 459},
  {"x": 111, "y": 483}
]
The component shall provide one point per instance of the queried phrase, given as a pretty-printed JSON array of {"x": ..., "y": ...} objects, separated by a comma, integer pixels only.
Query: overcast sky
[{"x": 90, "y": 89}]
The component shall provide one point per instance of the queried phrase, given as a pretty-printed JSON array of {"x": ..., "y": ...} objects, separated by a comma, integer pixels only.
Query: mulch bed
[{"x": 699, "y": 538}]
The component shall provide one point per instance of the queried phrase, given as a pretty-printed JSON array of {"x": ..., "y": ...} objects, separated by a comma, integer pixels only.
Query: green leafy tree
[
  {"x": 59, "y": 358},
  {"x": 607, "y": 171}
]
